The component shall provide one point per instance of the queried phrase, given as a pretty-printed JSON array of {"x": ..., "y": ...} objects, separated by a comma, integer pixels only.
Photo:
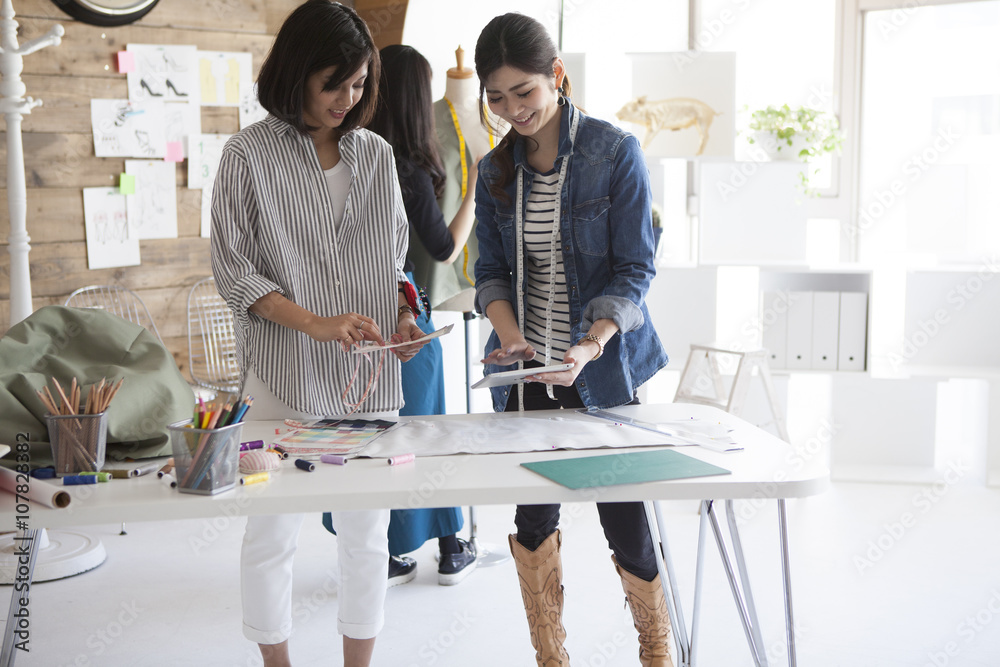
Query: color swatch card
[
  {"x": 345, "y": 437},
  {"x": 625, "y": 468}
]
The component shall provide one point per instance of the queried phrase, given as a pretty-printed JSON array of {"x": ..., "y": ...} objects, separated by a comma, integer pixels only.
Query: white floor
[{"x": 882, "y": 575}]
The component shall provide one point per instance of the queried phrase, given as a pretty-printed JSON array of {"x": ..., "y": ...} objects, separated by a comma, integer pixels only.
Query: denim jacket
[{"x": 607, "y": 246}]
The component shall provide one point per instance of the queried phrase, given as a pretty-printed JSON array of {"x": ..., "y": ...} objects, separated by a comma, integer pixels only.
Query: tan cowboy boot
[
  {"x": 540, "y": 575},
  {"x": 649, "y": 614}
]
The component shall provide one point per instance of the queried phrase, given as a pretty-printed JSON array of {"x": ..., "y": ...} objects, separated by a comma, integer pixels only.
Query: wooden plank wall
[{"x": 59, "y": 150}]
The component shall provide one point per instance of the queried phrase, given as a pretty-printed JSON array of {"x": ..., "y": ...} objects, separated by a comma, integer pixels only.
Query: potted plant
[{"x": 799, "y": 133}]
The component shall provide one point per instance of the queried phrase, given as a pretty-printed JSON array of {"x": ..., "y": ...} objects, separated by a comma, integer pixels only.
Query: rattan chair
[
  {"x": 116, "y": 300},
  {"x": 212, "y": 358}
]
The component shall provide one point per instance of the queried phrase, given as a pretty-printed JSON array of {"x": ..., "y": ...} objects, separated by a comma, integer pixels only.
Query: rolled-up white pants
[{"x": 269, "y": 545}]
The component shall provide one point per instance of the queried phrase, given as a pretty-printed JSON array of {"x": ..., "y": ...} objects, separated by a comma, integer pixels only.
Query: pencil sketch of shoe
[
  {"x": 172, "y": 64},
  {"x": 143, "y": 138},
  {"x": 149, "y": 91},
  {"x": 170, "y": 85}
]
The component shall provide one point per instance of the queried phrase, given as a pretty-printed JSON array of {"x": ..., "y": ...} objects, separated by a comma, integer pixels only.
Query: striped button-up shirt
[{"x": 273, "y": 231}]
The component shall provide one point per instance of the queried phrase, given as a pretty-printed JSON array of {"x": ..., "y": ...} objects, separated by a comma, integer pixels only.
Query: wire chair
[
  {"x": 116, "y": 300},
  {"x": 212, "y": 359}
]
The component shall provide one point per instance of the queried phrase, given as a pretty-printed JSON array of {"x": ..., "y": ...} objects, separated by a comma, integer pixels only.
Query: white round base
[
  {"x": 488, "y": 555},
  {"x": 64, "y": 555}
]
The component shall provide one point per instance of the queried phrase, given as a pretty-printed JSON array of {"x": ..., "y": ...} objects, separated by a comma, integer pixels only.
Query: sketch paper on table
[
  {"x": 182, "y": 121},
  {"x": 152, "y": 210},
  {"x": 166, "y": 73},
  {"x": 223, "y": 76},
  {"x": 109, "y": 243},
  {"x": 250, "y": 109},
  {"x": 128, "y": 129}
]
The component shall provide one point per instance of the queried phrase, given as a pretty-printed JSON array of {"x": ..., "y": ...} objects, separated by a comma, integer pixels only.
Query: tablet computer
[{"x": 513, "y": 377}]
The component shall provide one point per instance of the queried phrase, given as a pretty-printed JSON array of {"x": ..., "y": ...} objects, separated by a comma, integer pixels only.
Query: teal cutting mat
[{"x": 625, "y": 468}]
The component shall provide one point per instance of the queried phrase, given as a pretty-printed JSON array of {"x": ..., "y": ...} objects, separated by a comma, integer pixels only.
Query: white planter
[{"x": 779, "y": 150}]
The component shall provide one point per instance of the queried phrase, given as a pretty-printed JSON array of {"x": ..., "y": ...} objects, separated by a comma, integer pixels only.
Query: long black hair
[
  {"x": 316, "y": 35},
  {"x": 522, "y": 43},
  {"x": 405, "y": 114}
]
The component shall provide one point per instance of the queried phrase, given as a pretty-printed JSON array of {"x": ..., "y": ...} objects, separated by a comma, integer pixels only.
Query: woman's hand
[
  {"x": 407, "y": 330},
  {"x": 510, "y": 354},
  {"x": 347, "y": 329},
  {"x": 578, "y": 355}
]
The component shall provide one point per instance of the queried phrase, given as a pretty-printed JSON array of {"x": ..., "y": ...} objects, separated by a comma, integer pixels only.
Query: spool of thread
[
  {"x": 401, "y": 458},
  {"x": 302, "y": 464},
  {"x": 101, "y": 476},
  {"x": 44, "y": 473},
  {"x": 168, "y": 480},
  {"x": 75, "y": 480},
  {"x": 334, "y": 459},
  {"x": 254, "y": 478},
  {"x": 280, "y": 450},
  {"x": 253, "y": 444}
]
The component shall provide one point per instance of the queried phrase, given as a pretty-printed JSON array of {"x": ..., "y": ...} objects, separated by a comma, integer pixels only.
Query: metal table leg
[
  {"x": 27, "y": 555},
  {"x": 665, "y": 568},
  {"x": 786, "y": 577},
  {"x": 734, "y": 535}
]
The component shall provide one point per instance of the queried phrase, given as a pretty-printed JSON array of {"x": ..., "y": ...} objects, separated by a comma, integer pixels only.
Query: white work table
[{"x": 767, "y": 467}]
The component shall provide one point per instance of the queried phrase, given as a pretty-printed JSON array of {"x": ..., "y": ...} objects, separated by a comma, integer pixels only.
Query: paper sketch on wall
[
  {"x": 167, "y": 73},
  {"x": 206, "y": 151},
  {"x": 674, "y": 114},
  {"x": 152, "y": 210},
  {"x": 182, "y": 120},
  {"x": 223, "y": 77},
  {"x": 128, "y": 129},
  {"x": 109, "y": 243},
  {"x": 683, "y": 105},
  {"x": 250, "y": 109}
]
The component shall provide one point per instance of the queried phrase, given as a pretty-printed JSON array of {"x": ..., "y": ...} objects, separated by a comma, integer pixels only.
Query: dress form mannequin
[{"x": 457, "y": 115}]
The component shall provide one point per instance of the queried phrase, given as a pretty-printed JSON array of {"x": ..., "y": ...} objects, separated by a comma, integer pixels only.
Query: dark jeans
[{"x": 624, "y": 524}]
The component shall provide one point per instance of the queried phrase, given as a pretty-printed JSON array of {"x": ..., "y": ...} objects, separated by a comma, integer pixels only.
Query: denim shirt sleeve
[
  {"x": 631, "y": 244},
  {"x": 493, "y": 272}
]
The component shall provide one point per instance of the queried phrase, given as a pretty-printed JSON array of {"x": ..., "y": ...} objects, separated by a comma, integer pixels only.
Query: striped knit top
[
  {"x": 539, "y": 227},
  {"x": 274, "y": 230}
]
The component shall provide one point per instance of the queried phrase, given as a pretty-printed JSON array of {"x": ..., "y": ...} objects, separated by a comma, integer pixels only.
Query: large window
[{"x": 930, "y": 141}]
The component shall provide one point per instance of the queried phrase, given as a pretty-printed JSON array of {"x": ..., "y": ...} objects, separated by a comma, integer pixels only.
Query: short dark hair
[
  {"x": 405, "y": 114},
  {"x": 318, "y": 34}
]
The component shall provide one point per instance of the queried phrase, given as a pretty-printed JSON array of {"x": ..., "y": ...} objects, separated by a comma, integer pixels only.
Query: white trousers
[{"x": 269, "y": 545}]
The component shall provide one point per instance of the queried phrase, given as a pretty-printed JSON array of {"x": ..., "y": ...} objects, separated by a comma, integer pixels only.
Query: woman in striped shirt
[
  {"x": 309, "y": 237},
  {"x": 565, "y": 261}
]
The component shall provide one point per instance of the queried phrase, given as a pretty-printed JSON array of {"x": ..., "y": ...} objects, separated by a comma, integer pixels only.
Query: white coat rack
[{"x": 14, "y": 105}]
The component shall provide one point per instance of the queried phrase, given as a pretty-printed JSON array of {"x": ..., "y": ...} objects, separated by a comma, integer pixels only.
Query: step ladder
[{"x": 702, "y": 382}]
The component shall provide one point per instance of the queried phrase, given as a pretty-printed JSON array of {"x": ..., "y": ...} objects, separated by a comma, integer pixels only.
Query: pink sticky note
[
  {"x": 175, "y": 151},
  {"x": 126, "y": 62}
]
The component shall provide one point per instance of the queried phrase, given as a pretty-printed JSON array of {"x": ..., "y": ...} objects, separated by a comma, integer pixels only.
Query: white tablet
[
  {"x": 372, "y": 346},
  {"x": 513, "y": 377}
]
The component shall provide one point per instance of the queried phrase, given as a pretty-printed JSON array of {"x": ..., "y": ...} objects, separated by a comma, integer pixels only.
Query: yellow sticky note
[{"x": 126, "y": 184}]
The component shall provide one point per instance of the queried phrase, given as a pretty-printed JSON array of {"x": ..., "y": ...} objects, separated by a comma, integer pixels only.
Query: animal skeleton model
[{"x": 676, "y": 113}]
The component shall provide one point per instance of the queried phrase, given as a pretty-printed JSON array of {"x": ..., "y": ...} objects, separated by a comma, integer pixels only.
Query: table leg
[
  {"x": 741, "y": 605},
  {"x": 665, "y": 568},
  {"x": 29, "y": 544},
  {"x": 698, "y": 572},
  {"x": 734, "y": 535},
  {"x": 786, "y": 576}
]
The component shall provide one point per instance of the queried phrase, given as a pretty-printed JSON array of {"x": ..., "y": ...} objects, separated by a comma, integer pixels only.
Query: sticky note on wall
[
  {"x": 126, "y": 62},
  {"x": 126, "y": 184}
]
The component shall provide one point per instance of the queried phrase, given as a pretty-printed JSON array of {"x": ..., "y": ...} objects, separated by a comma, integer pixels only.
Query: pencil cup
[
  {"x": 78, "y": 442},
  {"x": 206, "y": 461}
]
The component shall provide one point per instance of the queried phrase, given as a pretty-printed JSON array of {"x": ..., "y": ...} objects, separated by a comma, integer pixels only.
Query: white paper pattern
[
  {"x": 152, "y": 210},
  {"x": 223, "y": 77},
  {"x": 109, "y": 243},
  {"x": 163, "y": 72},
  {"x": 128, "y": 129}
]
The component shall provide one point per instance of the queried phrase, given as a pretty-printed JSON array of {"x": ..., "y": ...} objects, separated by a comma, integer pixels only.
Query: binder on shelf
[
  {"x": 825, "y": 330},
  {"x": 853, "y": 331},
  {"x": 798, "y": 346},
  {"x": 774, "y": 324}
]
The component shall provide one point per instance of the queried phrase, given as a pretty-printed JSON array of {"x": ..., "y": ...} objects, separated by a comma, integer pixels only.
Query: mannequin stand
[
  {"x": 61, "y": 554},
  {"x": 487, "y": 554}
]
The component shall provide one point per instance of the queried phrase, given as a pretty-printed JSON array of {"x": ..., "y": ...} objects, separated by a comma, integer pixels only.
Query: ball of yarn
[{"x": 259, "y": 460}]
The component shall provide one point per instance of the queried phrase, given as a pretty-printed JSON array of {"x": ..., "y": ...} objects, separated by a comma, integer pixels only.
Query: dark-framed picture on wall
[{"x": 106, "y": 12}]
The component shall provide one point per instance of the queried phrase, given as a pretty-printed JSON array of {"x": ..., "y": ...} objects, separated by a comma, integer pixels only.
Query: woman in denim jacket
[{"x": 566, "y": 258}]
